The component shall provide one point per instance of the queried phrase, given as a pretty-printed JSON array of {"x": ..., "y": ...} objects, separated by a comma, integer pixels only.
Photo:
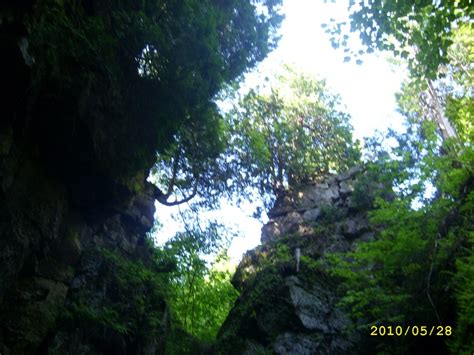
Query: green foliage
[
  {"x": 139, "y": 75},
  {"x": 273, "y": 137},
  {"x": 448, "y": 100},
  {"x": 404, "y": 275},
  {"x": 277, "y": 256},
  {"x": 287, "y": 132},
  {"x": 464, "y": 281},
  {"x": 461, "y": 55},
  {"x": 308, "y": 263},
  {"x": 133, "y": 304},
  {"x": 282, "y": 254},
  {"x": 330, "y": 214},
  {"x": 458, "y": 95},
  {"x": 104, "y": 317},
  {"x": 201, "y": 295},
  {"x": 363, "y": 196},
  {"x": 460, "y": 111},
  {"x": 420, "y": 31},
  {"x": 142, "y": 309},
  {"x": 423, "y": 214},
  {"x": 176, "y": 293},
  {"x": 327, "y": 219},
  {"x": 312, "y": 269}
]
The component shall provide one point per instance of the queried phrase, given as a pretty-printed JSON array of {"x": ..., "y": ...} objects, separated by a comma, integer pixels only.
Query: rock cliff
[
  {"x": 288, "y": 302},
  {"x": 74, "y": 211}
]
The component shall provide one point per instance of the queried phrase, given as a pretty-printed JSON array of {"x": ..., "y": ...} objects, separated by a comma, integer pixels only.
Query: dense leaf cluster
[
  {"x": 133, "y": 73},
  {"x": 288, "y": 132},
  {"x": 419, "y": 267},
  {"x": 420, "y": 31},
  {"x": 201, "y": 295}
]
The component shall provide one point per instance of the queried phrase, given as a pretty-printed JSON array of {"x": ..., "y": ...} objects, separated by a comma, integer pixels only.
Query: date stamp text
[{"x": 411, "y": 330}]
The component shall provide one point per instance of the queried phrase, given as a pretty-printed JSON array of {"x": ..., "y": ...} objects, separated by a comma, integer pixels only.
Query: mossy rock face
[
  {"x": 286, "y": 314},
  {"x": 116, "y": 304},
  {"x": 53, "y": 269},
  {"x": 289, "y": 302},
  {"x": 51, "y": 259},
  {"x": 70, "y": 248},
  {"x": 32, "y": 210},
  {"x": 6, "y": 140},
  {"x": 41, "y": 302}
]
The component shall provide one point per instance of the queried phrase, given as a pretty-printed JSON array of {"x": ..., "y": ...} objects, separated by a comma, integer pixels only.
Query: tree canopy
[
  {"x": 289, "y": 131},
  {"x": 420, "y": 31},
  {"x": 273, "y": 137},
  {"x": 434, "y": 38}
]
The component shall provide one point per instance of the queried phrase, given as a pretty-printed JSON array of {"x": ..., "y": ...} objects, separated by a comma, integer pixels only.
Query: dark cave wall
[
  {"x": 69, "y": 213},
  {"x": 53, "y": 259}
]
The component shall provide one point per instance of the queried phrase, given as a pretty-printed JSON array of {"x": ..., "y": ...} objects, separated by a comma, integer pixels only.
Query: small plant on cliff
[{"x": 133, "y": 300}]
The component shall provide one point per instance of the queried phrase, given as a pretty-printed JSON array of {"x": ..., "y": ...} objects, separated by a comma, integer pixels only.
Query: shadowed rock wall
[
  {"x": 53, "y": 257},
  {"x": 68, "y": 220}
]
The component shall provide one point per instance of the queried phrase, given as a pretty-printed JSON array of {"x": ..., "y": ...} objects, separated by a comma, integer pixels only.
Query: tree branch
[
  {"x": 174, "y": 172},
  {"x": 163, "y": 198}
]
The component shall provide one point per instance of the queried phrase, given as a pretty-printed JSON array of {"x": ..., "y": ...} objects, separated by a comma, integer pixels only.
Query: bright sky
[{"x": 367, "y": 91}]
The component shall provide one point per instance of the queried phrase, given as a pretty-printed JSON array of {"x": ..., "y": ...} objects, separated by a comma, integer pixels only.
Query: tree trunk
[{"x": 445, "y": 127}]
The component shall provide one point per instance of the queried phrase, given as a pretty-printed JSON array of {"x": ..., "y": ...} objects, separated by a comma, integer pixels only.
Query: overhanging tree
[
  {"x": 272, "y": 138},
  {"x": 140, "y": 71}
]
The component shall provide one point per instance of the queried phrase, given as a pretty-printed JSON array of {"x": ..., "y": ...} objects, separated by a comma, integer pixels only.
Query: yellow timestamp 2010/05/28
[{"x": 413, "y": 330}]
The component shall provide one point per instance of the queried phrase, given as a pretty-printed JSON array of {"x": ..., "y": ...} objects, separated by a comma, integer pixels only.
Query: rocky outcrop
[
  {"x": 288, "y": 302},
  {"x": 61, "y": 282},
  {"x": 302, "y": 208}
]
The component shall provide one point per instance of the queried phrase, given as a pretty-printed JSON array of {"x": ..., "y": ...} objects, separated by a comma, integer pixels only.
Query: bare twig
[{"x": 428, "y": 281}]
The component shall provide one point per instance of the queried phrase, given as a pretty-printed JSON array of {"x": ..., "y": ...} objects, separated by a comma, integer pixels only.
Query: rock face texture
[
  {"x": 72, "y": 217},
  {"x": 60, "y": 285},
  {"x": 288, "y": 303}
]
